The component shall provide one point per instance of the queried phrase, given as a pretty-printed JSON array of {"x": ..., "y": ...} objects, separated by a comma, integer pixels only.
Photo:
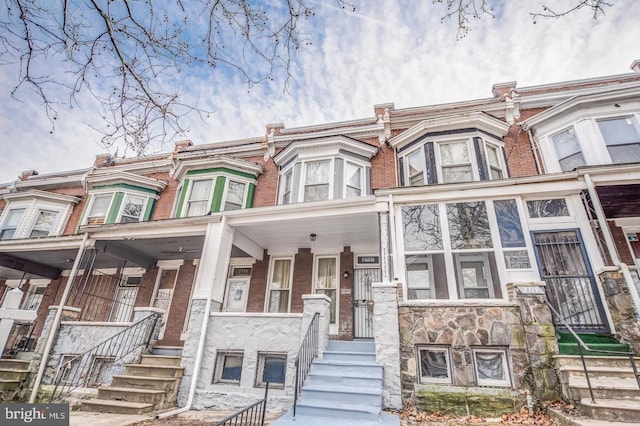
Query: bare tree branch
[{"x": 596, "y": 6}]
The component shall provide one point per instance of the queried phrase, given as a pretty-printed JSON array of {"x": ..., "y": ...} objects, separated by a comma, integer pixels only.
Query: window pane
[
  {"x": 354, "y": 180},
  {"x": 316, "y": 192},
  {"x": 456, "y": 174},
  {"x": 454, "y": 153},
  {"x": 418, "y": 277},
  {"x": 274, "y": 370},
  {"x": 200, "y": 190},
  {"x": 11, "y": 223},
  {"x": 490, "y": 366},
  {"x": 232, "y": 367},
  {"x": 317, "y": 172},
  {"x": 286, "y": 188},
  {"x": 415, "y": 168},
  {"x": 509, "y": 224},
  {"x": 469, "y": 225},
  {"x": 281, "y": 272},
  {"x": 571, "y": 162},
  {"x": 619, "y": 131},
  {"x": 421, "y": 228},
  {"x": 568, "y": 149},
  {"x": 556, "y": 207},
  {"x": 434, "y": 364},
  {"x": 132, "y": 211},
  {"x": 44, "y": 224},
  {"x": 624, "y": 153},
  {"x": 492, "y": 156},
  {"x": 100, "y": 205},
  {"x": 235, "y": 196},
  {"x": 326, "y": 277}
]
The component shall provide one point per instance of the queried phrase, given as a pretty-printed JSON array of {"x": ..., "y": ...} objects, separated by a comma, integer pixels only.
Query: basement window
[
  {"x": 491, "y": 367},
  {"x": 228, "y": 367},
  {"x": 272, "y": 368},
  {"x": 435, "y": 364}
]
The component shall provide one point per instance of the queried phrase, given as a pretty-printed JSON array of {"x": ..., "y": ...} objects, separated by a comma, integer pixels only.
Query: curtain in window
[
  {"x": 100, "y": 205},
  {"x": 199, "y": 198},
  {"x": 317, "y": 181},
  {"x": 235, "y": 196},
  {"x": 44, "y": 223},
  {"x": 490, "y": 366},
  {"x": 455, "y": 162},
  {"x": 279, "y": 293},
  {"x": 326, "y": 283}
]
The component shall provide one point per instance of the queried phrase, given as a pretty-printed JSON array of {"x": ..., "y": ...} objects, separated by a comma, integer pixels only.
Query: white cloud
[{"x": 387, "y": 51}]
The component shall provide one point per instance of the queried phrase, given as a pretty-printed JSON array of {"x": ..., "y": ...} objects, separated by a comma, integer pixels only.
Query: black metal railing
[
  {"x": 87, "y": 368},
  {"x": 306, "y": 354},
  {"x": 582, "y": 346},
  {"x": 253, "y": 415}
]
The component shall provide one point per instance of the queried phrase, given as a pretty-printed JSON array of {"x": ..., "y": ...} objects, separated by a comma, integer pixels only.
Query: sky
[{"x": 395, "y": 51}]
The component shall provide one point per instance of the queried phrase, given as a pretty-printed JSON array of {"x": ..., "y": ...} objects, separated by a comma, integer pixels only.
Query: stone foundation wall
[{"x": 623, "y": 313}]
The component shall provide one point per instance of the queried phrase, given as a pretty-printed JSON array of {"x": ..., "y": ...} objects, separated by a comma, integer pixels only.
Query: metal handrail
[
  {"x": 249, "y": 416},
  {"x": 116, "y": 347},
  {"x": 582, "y": 345},
  {"x": 306, "y": 354}
]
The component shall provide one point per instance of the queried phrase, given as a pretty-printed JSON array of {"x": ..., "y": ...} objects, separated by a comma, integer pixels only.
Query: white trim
[
  {"x": 211, "y": 161},
  {"x": 267, "y": 299},
  {"x": 109, "y": 176},
  {"x": 434, "y": 348},
  {"x": 335, "y": 327},
  {"x": 507, "y": 382}
]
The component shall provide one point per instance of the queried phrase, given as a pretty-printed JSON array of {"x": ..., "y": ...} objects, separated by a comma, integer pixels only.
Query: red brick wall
[
  {"x": 145, "y": 290},
  {"x": 48, "y": 297},
  {"x": 302, "y": 278},
  {"x": 166, "y": 199},
  {"x": 383, "y": 169},
  {"x": 517, "y": 148},
  {"x": 346, "y": 298},
  {"x": 179, "y": 305},
  {"x": 620, "y": 240},
  {"x": 267, "y": 186},
  {"x": 258, "y": 284}
]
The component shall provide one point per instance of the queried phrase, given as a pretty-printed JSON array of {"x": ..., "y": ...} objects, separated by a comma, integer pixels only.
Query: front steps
[
  {"x": 151, "y": 385},
  {"x": 13, "y": 372},
  {"x": 344, "y": 388},
  {"x": 615, "y": 389}
]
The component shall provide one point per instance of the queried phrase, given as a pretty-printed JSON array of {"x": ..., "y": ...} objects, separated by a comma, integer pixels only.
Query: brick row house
[{"x": 463, "y": 239}]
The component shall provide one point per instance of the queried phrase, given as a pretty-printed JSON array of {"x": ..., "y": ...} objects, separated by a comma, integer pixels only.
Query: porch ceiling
[{"x": 620, "y": 201}]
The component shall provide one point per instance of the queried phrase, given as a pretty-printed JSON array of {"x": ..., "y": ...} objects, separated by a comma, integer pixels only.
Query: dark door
[{"x": 363, "y": 301}]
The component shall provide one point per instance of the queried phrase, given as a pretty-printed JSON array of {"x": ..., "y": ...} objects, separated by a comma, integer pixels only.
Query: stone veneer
[{"x": 623, "y": 313}]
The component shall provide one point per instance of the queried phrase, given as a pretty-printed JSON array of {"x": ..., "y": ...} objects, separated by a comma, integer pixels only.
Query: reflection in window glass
[
  {"x": 326, "y": 282},
  {"x": 556, "y": 207},
  {"x": 416, "y": 173},
  {"x": 469, "y": 225},
  {"x": 99, "y": 209},
  {"x": 421, "y": 227},
  {"x": 622, "y": 136},
  {"x": 456, "y": 165},
  {"x": 509, "y": 225},
  {"x": 232, "y": 368},
  {"x": 434, "y": 365},
  {"x": 493, "y": 157},
  {"x": 235, "y": 195},
  {"x": 475, "y": 277},
  {"x": 44, "y": 224},
  {"x": 354, "y": 180},
  {"x": 418, "y": 276},
  {"x": 568, "y": 149},
  {"x": 316, "y": 185},
  {"x": 132, "y": 211},
  {"x": 491, "y": 367},
  {"x": 11, "y": 224}
]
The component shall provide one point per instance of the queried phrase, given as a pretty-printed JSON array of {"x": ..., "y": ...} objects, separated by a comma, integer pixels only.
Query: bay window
[
  {"x": 133, "y": 209},
  {"x": 316, "y": 182},
  {"x": 622, "y": 138},
  {"x": 99, "y": 209},
  {"x": 11, "y": 224},
  {"x": 45, "y": 221},
  {"x": 199, "y": 198}
]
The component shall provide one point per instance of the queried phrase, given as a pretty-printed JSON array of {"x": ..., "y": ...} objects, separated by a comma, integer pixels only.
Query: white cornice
[
  {"x": 44, "y": 244},
  {"x": 70, "y": 178},
  {"x": 42, "y": 195},
  {"x": 113, "y": 177},
  {"x": 189, "y": 226},
  {"x": 188, "y": 161},
  {"x": 332, "y": 143},
  {"x": 358, "y": 131},
  {"x": 157, "y": 164},
  {"x": 475, "y": 120},
  {"x": 603, "y": 94}
]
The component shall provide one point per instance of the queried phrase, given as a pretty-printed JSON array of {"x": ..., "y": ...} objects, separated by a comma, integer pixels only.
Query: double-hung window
[
  {"x": 45, "y": 221},
  {"x": 234, "y": 197},
  {"x": 133, "y": 208},
  {"x": 622, "y": 137},
  {"x": 99, "y": 209},
  {"x": 11, "y": 224},
  {"x": 494, "y": 161},
  {"x": 316, "y": 182},
  {"x": 279, "y": 285},
  {"x": 568, "y": 149},
  {"x": 199, "y": 198},
  {"x": 353, "y": 180},
  {"x": 415, "y": 168},
  {"x": 455, "y": 162}
]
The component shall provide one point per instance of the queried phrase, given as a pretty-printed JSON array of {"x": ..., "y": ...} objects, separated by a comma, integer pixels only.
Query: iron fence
[
  {"x": 306, "y": 354},
  {"x": 252, "y": 415}
]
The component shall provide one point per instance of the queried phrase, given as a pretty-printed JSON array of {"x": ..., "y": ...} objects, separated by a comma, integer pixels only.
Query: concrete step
[
  {"x": 603, "y": 388},
  {"x": 14, "y": 364},
  {"x": 119, "y": 407},
  {"x": 352, "y": 346},
  {"x": 386, "y": 419},
  {"x": 353, "y": 394},
  {"x": 611, "y": 410},
  {"x": 153, "y": 370},
  {"x": 13, "y": 374},
  {"x": 333, "y": 409},
  {"x": 596, "y": 361},
  {"x": 148, "y": 396},
  {"x": 9, "y": 384},
  {"x": 340, "y": 378},
  {"x": 597, "y": 371},
  {"x": 167, "y": 360},
  {"x": 137, "y": 382},
  {"x": 352, "y": 368},
  {"x": 356, "y": 357}
]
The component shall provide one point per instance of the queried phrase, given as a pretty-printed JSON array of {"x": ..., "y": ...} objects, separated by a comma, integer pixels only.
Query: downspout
[
  {"x": 606, "y": 232},
  {"x": 534, "y": 150},
  {"x": 392, "y": 237},
  {"x": 57, "y": 319},
  {"x": 200, "y": 350}
]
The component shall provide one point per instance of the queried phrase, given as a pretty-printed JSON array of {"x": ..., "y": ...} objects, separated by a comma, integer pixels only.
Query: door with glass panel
[
  {"x": 326, "y": 282},
  {"x": 571, "y": 286},
  {"x": 363, "y": 301},
  {"x": 164, "y": 293}
]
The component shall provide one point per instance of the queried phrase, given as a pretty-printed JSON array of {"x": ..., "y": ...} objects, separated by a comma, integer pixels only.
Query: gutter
[
  {"x": 606, "y": 232},
  {"x": 200, "y": 350},
  {"x": 57, "y": 319}
]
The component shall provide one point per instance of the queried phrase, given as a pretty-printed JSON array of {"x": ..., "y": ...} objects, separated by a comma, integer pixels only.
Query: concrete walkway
[{"x": 86, "y": 418}]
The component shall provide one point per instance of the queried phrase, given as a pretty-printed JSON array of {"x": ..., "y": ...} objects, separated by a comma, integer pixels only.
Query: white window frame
[
  {"x": 259, "y": 383},
  {"x": 228, "y": 180},
  {"x": 473, "y": 257},
  {"x": 7, "y": 216},
  {"x": 473, "y": 161},
  {"x": 221, "y": 357},
  {"x": 303, "y": 178},
  {"x": 156, "y": 288},
  {"x": 333, "y": 327},
  {"x": 434, "y": 348},
  {"x": 432, "y": 290},
  {"x": 188, "y": 201},
  {"x": 35, "y": 221},
  {"x": 145, "y": 203},
  {"x": 284, "y": 190},
  {"x": 423, "y": 167},
  {"x": 32, "y": 208},
  {"x": 95, "y": 195},
  {"x": 507, "y": 382},
  {"x": 636, "y": 124},
  {"x": 577, "y": 137},
  {"x": 345, "y": 178},
  {"x": 486, "y": 144},
  {"x": 270, "y": 278}
]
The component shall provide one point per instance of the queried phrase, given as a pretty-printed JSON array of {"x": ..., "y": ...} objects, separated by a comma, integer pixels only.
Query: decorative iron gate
[
  {"x": 363, "y": 301},
  {"x": 571, "y": 286}
]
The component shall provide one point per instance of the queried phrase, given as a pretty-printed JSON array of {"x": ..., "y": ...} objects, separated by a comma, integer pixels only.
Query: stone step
[
  {"x": 337, "y": 393},
  {"x": 167, "y": 360},
  {"x": 153, "y": 370},
  {"x": 352, "y": 346},
  {"x": 611, "y": 410},
  {"x": 335, "y": 409},
  {"x": 336, "y": 378},
  {"x": 356, "y": 357},
  {"x": 352, "y": 368},
  {"x": 596, "y": 361},
  {"x": 9, "y": 384},
  {"x": 386, "y": 419},
  {"x": 148, "y": 396},
  {"x": 138, "y": 382},
  {"x": 601, "y": 372},
  {"x": 14, "y": 364},
  {"x": 13, "y": 374},
  {"x": 603, "y": 388},
  {"x": 119, "y": 407}
]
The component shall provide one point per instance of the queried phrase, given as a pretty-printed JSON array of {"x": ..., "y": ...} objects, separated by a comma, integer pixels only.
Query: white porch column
[
  {"x": 11, "y": 312},
  {"x": 386, "y": 334}
]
